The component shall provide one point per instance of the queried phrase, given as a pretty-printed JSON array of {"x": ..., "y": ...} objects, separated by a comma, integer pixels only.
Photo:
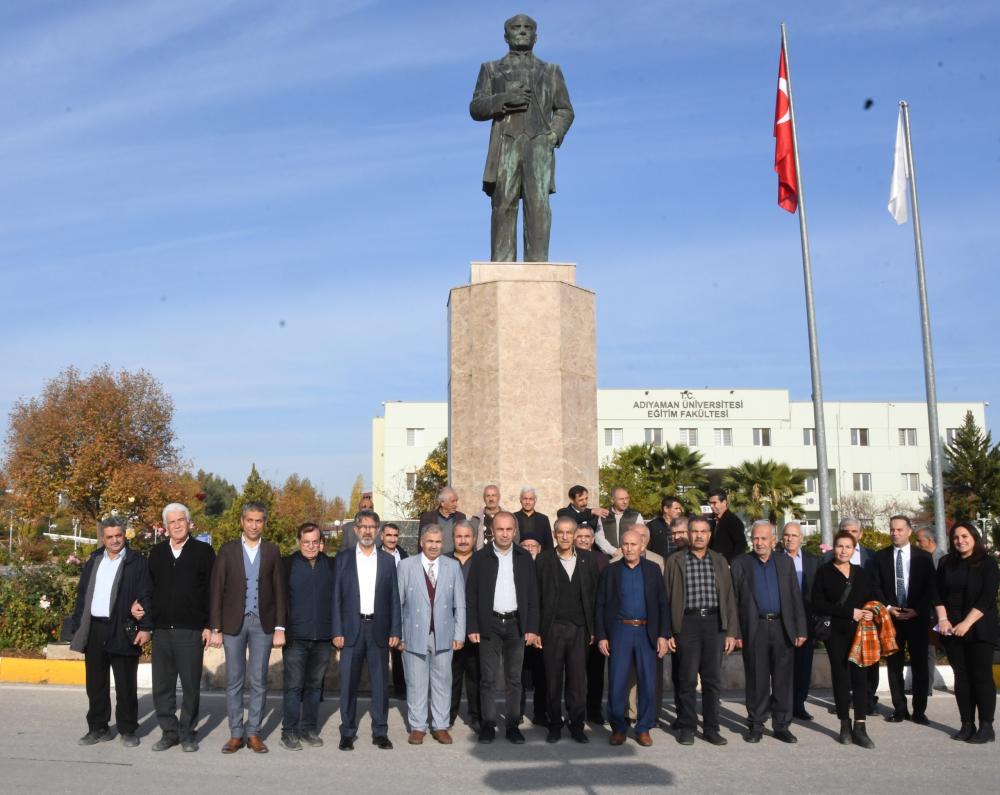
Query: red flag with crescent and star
[{"x": 784, "y": 154}]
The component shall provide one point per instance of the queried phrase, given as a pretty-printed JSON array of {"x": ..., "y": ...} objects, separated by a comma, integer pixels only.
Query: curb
[{"x": 58, "y": 672}]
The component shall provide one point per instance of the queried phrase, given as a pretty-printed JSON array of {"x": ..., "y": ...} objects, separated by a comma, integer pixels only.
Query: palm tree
[
  {"x": 650, "y": 472},
  {"x": 763, "y": 489}
]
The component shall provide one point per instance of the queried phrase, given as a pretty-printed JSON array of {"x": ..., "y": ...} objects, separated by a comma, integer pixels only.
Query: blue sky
[{"x": 265, "y": 204}]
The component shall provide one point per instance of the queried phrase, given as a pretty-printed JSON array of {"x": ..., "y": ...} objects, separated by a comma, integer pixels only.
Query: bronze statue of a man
[{"x": 527, "y": 101}]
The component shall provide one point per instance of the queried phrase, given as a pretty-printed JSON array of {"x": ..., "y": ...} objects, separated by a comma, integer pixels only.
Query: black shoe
[
  {"x": 129, "y": 740},
  {"x": 967, "y": 730},
  {"x": 686, "y": 737},
  {"x": 872, "y": 709},
  {"x": 754, "y": 735},
  {"x": 515, "y": 736},
  {"x": 921, "y": 718},
  {"x": 290, "y": 742},
  {"x": 713, "y": 736},
  {"x": 860, "y": 735},
  {"x": 476, "y": 725},
  {"x": 845, "y": 738},
  {"x": 896, "y": 717},
  {"x": 578, "y": 735},
  {"x": 554, "y": 735},
  {"x": 785, "y": 736},
  {"x": 487, "y": 734},
  {"x": 540, "y": 720},
  {"x": 382, "y": 742},
  {"x": 165, "y": 742},
  {"x": 346, "y": 743},
  {"x": 189, "y": 746},
  {"x": 596, "y": 717},
  {"x": 311, "y": 738},
  {"x": 95, "y": 737},
  {"x": 984, "y": 735},
  {"x": 801, "y": 714}
]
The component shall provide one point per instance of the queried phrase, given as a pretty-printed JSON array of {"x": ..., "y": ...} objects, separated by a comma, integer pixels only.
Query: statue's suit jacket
[
  {"x": 549, "y": 97},
  {"x": 415, "y": 603}
]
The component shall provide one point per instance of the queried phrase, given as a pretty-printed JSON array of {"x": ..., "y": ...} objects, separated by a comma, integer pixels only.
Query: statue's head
[{"x": 520, "y": 32}]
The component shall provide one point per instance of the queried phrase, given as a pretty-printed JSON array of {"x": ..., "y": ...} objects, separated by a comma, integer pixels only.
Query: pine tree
[{"x": 971, "y": 474}]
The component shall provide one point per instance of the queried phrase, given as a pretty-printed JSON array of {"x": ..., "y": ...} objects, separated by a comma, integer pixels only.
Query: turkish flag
[{"x": 784, "y": 153}]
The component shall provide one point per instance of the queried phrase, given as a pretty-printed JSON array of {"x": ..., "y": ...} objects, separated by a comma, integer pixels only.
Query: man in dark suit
[
  {"x": 772, "y": 624},
  {"x": 366, "y": 624},
  {"x": 390, "y": 544},
  {"x": 704, "y": 617},
  {"x": 729, "y": 536},
  {"x": 633, "y": 628},
  {"x": 567, "y": 589},
  {"x": 579, "y": 510},
  {"x": 583, "y": 539},
  {"x": 465, "y": 661},
  {"x": 660, "y": 537},
  {"x": 444, "y": 516},
  {"x": 906, "y": 577},
  {"x": 502, "y": 617},
  {"x": 247, "y": 612},
  {"x": 805, "y": 572},
  {"x": 527, "y": 102}
]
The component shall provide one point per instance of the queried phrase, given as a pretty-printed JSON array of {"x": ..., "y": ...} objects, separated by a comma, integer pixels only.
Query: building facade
[{"x": 879, "y": 453}]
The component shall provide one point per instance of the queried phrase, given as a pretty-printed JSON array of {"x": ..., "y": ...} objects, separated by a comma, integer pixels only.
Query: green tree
[
  {"x": 650, "y": 472},
  {"x": 296, "y": 502},
  {"x": 971, "y": 475},
  {"x": 356, "y": 491},
  {"x": 431, "y": 477},
  {"x": 764, "y": 489},
  {"x": 256, "y": 489},
  {"x": 218, "y": 493}
]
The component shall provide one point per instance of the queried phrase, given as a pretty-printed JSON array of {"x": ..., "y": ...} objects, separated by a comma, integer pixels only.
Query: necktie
[
  {"x": 432, "y": 575},
  {"x": 900, "y": 582}
]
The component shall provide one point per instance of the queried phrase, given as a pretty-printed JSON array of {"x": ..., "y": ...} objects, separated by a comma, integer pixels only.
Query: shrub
[{"x": 34, "y": 600}]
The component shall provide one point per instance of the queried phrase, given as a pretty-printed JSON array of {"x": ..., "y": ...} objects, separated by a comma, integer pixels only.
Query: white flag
[{"x": 898, "y": 206}]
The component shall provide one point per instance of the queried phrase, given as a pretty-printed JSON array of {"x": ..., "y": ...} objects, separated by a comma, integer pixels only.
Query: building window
[
  {"x": 862, "y": 481},
  {"x": 414, "y": 437},
  {"x": 911, "y": 481},
  {"x": 809, "y": 437},
  {"x": 723, "y": 437},
  {"x": 689, "y": 436},
  {"x": 612, "y": 437},
  {"x": 654, "y": 436},
  {"x": 950, "y": 434},
  {"x": 907, "y": 437},
  {"x": 411, "y": 481},
  {"x": 761, "y": 437},
  {"x": 859, "y": 437},
  {"x": 811, "y": 484}
]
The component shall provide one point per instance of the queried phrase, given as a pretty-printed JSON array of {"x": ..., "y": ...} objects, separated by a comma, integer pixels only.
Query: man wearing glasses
[{"x": 805, "y": 571}]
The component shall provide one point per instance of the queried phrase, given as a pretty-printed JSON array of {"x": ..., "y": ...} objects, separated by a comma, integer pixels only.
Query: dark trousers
[
  {"x": 699, "y": 644},
  {"x": 768, "y": 663},
  {"x": 972, "y": 663},
  {"x": 913, "y": 635},
  {"x": 398, "y": 676},
  {"x": 304, "y": 663},
  {"x": 505, "y": 644},
  {"x": 675, "y": 678},
  {"x": 564, "y": 649},
  {"x": 524, "y": 173},
  {"x": 872, "y": 674},
  {"x": 99, "y": 665},
  {"x": 595, "y": 681},
  {"x": 465, "y": 668},
  {"x": 533, "y": 678},
  {"x": 352, "y": 658},
  {"x": 629, "y": 647},
  {"x": 850, "y": 681},
  {"x": 803, "y": 673},
  {"x": 177, "y": 653}
]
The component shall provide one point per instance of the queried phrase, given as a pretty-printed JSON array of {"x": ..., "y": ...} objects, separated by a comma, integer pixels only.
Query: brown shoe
[
  {"x": 644, "y": 739},
  {"x": 233, "y": 744},
  {"x": 617, "y": 738},
  {"x": 442, "y": 736},
  {"x": 256, "y": 744},
  {"x": 416, "y": 738}
]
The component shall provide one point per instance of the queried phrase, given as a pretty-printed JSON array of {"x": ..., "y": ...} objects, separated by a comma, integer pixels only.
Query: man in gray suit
[
  {"x": 772, "y": 625},
  {"x": 432, "y": 602}
]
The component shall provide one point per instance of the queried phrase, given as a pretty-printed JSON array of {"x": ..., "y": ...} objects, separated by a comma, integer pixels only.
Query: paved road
[{"x": 39, "y": 726}]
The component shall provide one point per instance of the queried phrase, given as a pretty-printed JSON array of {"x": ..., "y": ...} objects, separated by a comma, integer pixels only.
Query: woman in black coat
[
  {"x": 850, "y": 681},
  {"x": 967, "y": 580}
]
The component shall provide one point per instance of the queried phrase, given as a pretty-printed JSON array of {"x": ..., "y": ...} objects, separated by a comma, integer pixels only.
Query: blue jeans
[
  {"x": 252, "y": 636},
  {"x": 305, "y": 663}
]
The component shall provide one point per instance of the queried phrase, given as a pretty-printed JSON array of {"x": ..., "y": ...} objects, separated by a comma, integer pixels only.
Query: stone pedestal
[{"x": 522, "y": 390}]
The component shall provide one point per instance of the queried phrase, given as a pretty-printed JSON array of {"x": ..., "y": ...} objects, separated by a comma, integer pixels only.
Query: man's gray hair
[
  {"x": 566, "y": 520},
  {"x": 462, "y": 523},
  {"x": 113, "y": 521},
  {"x": 445, "y": 492},
  {"x": 176, "y": 507},
  {"x": 528, "y": 490},
  {"x": 677, "y": 521},
  {"x": 926, "y": 532},
  {"x": 761, "y": 523},
  {"x": 431, "y": 528},
  {"x": 793, "y": 523},
  {"x": 616, "y": 489},
  {"x": 849, "y": 521}
]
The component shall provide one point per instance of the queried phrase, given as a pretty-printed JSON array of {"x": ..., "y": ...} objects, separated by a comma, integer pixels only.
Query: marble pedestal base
[{"x": 522, "y": 384}]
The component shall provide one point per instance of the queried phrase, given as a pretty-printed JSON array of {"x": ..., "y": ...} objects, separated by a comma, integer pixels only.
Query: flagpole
[
  {"x": 822, "y": 471},
  {"x": 930, "y": 382}
]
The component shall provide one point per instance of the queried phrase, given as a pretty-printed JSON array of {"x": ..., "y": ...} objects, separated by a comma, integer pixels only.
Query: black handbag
[{"x": 823, "y": 625}]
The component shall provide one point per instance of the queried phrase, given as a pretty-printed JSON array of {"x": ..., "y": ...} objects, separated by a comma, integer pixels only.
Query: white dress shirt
[
  {"x": 505, "y": 596},
  {"x": 250, "y": 550},
  {"x": 427, "y": 563},
  {"x": 367, "y": 569},
  {"x": 569, "y": 564},
  {"x": 906, "y": 573},
  {"x": 797, "y": 560},
  {"x": 100, "y": 604},
  {"x": 394, "y": 553}
]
